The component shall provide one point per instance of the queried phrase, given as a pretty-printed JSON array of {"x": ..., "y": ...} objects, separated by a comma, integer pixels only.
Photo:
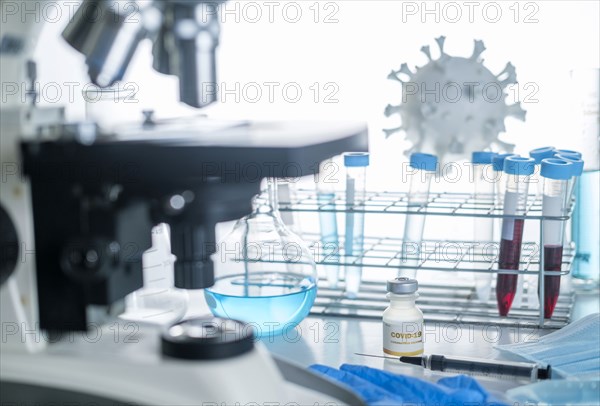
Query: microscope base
[{"x": 121, "y": 363}]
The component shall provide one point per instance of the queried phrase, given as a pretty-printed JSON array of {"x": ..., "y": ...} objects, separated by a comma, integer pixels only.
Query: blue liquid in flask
[{"x": 271, "y": 302}]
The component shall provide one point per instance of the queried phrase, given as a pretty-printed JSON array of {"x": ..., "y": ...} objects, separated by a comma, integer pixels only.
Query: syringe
[
  {"x": 463, "y": 365},
  {"x": 472, "y": 366}
]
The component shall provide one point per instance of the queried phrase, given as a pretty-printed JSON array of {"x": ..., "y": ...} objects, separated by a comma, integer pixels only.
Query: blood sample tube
[
  {"x": 538, "y": 154},
  {"x": 556, "y": 174},
  {"x": 499, "y": 177},
  {"x": 424, "y": 167},
  {"x": 517, "y": 171},
  {"x": 499, "y": 189},
  {"x": 483, "y": 181}
]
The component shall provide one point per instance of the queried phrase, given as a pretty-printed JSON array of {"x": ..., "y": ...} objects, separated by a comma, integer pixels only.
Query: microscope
[{"x": 78, "y": 205}]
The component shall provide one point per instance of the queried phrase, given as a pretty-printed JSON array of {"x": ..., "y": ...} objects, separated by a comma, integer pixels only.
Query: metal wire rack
[
  {"x": 438, "y": 204},
  {"x": 447, "y": 305},
  {"x": 440, "y": 303},
  {"x": 431, "y": 255}
]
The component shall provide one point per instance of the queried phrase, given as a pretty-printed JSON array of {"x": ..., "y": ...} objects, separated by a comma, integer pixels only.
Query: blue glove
[{"x": 378, "y": 387}]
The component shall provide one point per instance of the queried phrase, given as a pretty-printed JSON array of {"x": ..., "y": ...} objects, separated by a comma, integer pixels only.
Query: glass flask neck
[{"x": 272, "y": 200}]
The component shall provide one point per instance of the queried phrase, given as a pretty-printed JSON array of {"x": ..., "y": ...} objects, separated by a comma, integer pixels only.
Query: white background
[{"x": 356, "y": 50}]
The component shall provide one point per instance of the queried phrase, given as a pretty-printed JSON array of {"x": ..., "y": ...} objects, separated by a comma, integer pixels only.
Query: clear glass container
[
  {"x": 265, "y": 275},
  {"x": 328, "y": 224},
  {"x": 356, "y": 164},
  {"x": 158, "y": 302},
  {"x": 423, "y": 169},
  {"x": 483, "y": 232}
]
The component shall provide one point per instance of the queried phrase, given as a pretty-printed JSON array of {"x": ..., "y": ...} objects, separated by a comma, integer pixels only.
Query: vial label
[{"x": 405, "y": 339}]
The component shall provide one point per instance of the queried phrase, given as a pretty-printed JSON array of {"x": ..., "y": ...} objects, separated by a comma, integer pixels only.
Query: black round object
[
  {"x": 9, "y": 246},
  {"x": 207, "y": 339}
]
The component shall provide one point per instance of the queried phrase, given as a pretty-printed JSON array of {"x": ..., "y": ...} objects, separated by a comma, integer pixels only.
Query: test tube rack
[{"x": 439, "y": 302}]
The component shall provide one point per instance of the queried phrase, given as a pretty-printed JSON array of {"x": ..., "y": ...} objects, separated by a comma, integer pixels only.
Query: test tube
[
  {"x": 499, "y": 182},
  {"x": 517, "y": 171},
  {"x": 424, "y": 167},
  {"x": 499, "y": 189},
  {"x": 556, "y": 174},
  {"x": 577, "y": 171},
  {"x": 356, "y": 170},
  {"x": 484, "y": 227},
  {"x": 328, "y": 222},
  {"x": 538, "y": 154},
  {"x": 575, "y": 159}
]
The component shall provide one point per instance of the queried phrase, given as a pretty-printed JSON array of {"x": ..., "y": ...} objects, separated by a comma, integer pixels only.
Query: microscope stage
[{"x": 203, "y": 148}]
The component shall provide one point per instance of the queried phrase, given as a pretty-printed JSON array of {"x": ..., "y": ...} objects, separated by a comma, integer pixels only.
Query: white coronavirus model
[{"x": 453, "y": 106}]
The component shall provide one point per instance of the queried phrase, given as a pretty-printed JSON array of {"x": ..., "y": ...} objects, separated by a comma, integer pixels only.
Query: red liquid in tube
[
  {"x": 509, "y": 258},
  {"x": 552, "y": 262}
]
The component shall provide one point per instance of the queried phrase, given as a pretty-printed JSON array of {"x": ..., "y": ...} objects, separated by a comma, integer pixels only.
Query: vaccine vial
[{"x": 402, "y": 320}]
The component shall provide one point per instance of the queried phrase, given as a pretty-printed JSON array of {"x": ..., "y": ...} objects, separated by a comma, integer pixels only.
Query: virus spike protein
[{"x": 448, "y": 126}]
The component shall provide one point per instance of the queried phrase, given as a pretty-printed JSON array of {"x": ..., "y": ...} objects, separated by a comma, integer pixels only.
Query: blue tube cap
[
  {"x": 554, "y": 168},
  {"x": 568, "y": 153},
  {"x": 541, "y": 153},
  {"x": 517, "y": 165},
  {"x": 498, "y": 161},
  {"x": 577, "y": 168},
  {"x": 356, "y": 159},
  {"x": 482, "y": 157},
  {"x": 425, "y": 162}
]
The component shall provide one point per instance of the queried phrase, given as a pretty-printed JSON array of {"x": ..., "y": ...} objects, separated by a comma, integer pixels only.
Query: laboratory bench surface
[{"x": 335, "y": 341}]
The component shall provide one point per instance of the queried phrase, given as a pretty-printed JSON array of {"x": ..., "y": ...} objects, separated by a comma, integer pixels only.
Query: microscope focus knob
[
  {"x": 89, "y": 259},
  {"x": 207, "y": 339}
]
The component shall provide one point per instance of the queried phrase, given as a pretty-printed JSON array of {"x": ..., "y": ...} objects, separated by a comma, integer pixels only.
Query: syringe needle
[{"x": 376, "y": 356}]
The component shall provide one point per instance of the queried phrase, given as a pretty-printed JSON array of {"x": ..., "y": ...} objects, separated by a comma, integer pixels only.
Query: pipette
[{"x": 473, "y": 366}]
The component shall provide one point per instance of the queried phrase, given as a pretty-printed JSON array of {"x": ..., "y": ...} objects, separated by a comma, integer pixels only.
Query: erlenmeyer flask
[{"x": 265, "y": 275}]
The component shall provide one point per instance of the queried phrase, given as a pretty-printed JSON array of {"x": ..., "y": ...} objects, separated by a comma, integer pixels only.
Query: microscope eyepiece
[
  {"x": 185, "y": 35},
  {"x": 108, "y": 35}
]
